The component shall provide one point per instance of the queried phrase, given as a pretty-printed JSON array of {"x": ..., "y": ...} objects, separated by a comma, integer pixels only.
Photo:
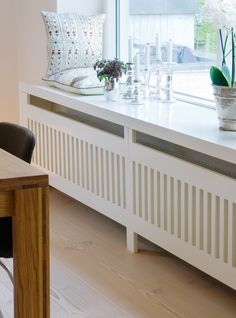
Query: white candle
[
  {"x": 169, "y": 51},
  {"x": 131, "y": 47},
  {"x": 147, "y": 56},
  {"x": 136, "y": 67},
  {"x": 158, "y": 48}
]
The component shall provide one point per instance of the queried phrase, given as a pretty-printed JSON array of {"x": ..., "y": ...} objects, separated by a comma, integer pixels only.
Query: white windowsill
[{"x": 182, "y": 123}]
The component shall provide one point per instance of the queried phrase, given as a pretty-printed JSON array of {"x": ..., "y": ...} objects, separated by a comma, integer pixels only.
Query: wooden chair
[{"x": 20, "y": 142}]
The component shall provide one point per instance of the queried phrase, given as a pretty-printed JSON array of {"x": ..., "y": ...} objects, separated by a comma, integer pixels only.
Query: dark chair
[{"x": 20, "y": 142}]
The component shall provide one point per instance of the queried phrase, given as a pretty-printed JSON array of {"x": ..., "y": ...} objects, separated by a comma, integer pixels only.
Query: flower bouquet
[
  {"x": 222, "y": 13},
  {"x": 110, "y": 71}
]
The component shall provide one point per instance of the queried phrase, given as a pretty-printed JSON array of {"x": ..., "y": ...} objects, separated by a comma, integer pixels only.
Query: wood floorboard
[{"x": 93, "y": 275}]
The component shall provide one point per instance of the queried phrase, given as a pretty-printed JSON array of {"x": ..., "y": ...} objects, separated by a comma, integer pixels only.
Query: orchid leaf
[
  {"x": 226, "y": 73},
  {"x": 217, "y": 77}
]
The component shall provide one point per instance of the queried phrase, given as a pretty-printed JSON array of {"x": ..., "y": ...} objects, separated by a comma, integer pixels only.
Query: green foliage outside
[{"x": 205, "y": 35}]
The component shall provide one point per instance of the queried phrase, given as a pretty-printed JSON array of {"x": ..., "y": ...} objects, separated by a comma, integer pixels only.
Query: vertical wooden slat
[
  {"x": 146, "y": 191},
  {"x": 113, "y": 177},
  {"x": 213, "y": 226},
  {"x": 82, "y": 163},
  {"x": 179, "y": 207},
  {"x": 172, "y": 206},
  {"x": 134, "y": 188},
  {"x": 159, "y": 198},
  {"x": 92, "y": 168},
  {"x": 226, "y": 228},
  {"x": 102, "y": 173},
  {"x": 186, "y": 212},
  {"x": 194, "y": 215},
  {"x": 140, "y": 194},
  {"x": 78, "y": 161},
  {"x": 182, "y": 212},
  {"x": 43, "y": 147},
  {"x": 230, "y": 233},
  {"x": 68, "y": 156},
  {"x": 165, "y": 202},
  {"x": 175, "y": 188},
  {"x": 97, "y": 170},
  {"x": 51, "y": 154},
  {"x": 55, "y": 150},
  {"x": 217, "y": 230},
  {"x": 222, "y": 227},
  {"x": 86, "y": 165},
  {"x": 40, "y": 134},
  {"x": 119, "y": 178},
  {"x": 152, "y": 197},
  {"x": 155, "y": 192},
  {"x": 73, "y": 161},
  {"x": 47, "y": 149},
  {"x": 124, "y": 181},
  {"x": 201, "y": 218},
  {"x": 208, "y": 223},
  {"x": 233, "y": 239},
  {"x": 108, "y": 176},
  {"x": 65, "y": 155}
]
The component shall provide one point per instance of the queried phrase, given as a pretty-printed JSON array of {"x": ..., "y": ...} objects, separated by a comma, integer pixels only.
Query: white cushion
[
  {"x": 81, "y": 81},
  {"x": 73, "y": 40}
]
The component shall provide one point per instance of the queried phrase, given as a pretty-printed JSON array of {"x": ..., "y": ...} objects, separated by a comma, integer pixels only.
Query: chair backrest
[
  {"x": 20, "y": 142},
  {"x": 17, "y": 140}
]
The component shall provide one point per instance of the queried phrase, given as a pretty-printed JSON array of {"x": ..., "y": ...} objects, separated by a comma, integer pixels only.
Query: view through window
[{"x": 194, "y": 40}]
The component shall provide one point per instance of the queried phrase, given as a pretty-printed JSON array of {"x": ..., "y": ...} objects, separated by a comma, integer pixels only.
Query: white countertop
[{"x": 182, "y": 123}]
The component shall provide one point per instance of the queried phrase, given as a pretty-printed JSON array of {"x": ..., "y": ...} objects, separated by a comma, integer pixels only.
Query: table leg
[{"x": 31, "y": 253}]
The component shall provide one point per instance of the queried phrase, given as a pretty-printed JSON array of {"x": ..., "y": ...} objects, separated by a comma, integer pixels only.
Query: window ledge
[{"x": 181, "y": 123}]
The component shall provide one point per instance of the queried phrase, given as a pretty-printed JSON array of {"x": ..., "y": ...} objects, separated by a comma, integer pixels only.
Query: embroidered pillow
[
  {"x": 73, "y": 40},
  {"x": 81, "y": 81}
]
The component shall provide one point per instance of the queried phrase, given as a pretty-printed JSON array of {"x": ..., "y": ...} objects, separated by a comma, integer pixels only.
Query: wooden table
[{"x": 24, "y": 196}]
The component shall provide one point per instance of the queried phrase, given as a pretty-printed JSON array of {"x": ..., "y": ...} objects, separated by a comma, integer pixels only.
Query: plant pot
[
  {"x": 111, "y": 91},
  {"x": 225, "y": 98}
]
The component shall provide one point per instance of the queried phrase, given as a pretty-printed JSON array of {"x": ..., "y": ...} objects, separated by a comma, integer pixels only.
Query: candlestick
[
  {"x": 158, "y": 81},
  {"x": 158, "y": 48},
  {"x": 129, "y": 82},
  {"x": 136, "y": 67},
  {"x": 167, "y": 84},
  {"x": 146, "y": 83},
  {"x": 169, "y": 51},
  {"x": 137, "y": 94},
  {"x": 147, "y": 56},
  {"x": 131, "y": 48}
]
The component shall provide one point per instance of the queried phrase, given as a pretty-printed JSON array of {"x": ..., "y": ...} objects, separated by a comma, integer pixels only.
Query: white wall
[
  {"x": 8, "y": 64},
  {"x": 32, "y": 42},
  {"x": 80, "y": 6},
  {"x": 23, "y": 44}
]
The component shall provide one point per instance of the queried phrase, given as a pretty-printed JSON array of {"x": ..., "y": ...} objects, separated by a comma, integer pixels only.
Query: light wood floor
[{"x": 93, "y": 275}]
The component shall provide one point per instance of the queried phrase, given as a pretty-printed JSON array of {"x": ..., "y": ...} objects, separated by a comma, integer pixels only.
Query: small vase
[
  {"x": 111, "y": 90},
  {"x": 225, "y": 98}
]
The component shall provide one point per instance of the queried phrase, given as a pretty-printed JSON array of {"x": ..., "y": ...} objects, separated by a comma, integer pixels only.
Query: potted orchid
[
  {"x": 110, "y": 71},
  {"x": 222, "y": 13}
]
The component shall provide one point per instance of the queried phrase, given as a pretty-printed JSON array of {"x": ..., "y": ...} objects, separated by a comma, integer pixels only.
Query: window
[{"x": 194, "y": 41}]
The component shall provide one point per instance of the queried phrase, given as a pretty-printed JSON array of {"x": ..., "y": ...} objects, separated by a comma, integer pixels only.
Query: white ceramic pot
[{"x": 225, "y": 98}]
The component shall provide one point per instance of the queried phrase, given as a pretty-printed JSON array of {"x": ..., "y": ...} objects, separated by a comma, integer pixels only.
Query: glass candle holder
[
  {"x": 129, "y": 82},
  {"x": 137, "y": 96},
  {"x": 167, "y": 95}
]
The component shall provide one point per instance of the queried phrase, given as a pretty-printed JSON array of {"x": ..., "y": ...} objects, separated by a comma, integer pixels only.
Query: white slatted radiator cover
[{"x": 184, "y": 208}]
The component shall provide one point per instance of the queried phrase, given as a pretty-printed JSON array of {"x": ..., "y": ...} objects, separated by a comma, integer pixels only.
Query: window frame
[{"x": 117, "y": 23}]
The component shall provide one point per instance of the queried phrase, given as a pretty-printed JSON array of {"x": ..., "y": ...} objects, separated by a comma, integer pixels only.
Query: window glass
[{"x": 194, "y": 41}]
